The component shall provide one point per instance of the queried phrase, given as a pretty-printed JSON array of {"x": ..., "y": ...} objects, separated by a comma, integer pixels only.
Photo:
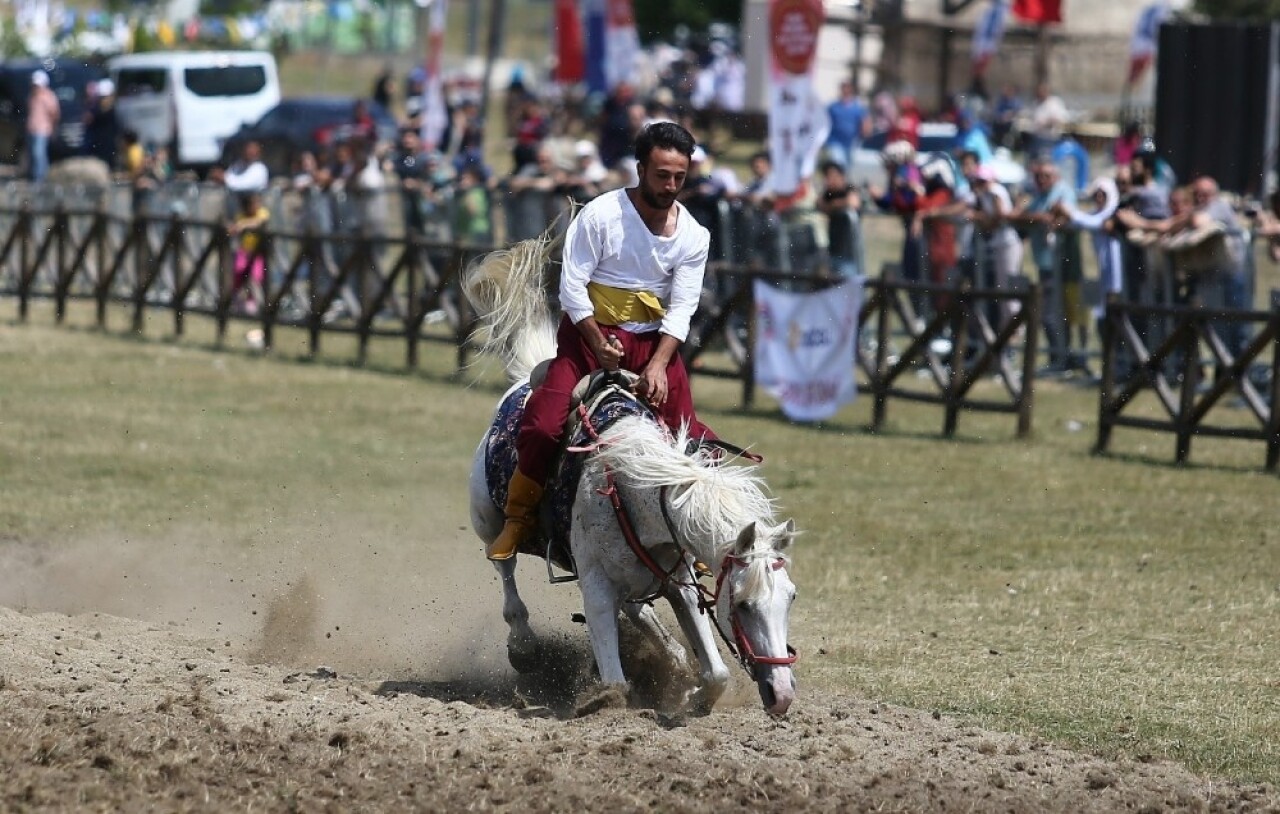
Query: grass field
[{"x": 1118, "y": 604}]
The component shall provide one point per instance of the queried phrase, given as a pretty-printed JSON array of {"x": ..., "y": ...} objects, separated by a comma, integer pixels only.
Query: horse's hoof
[{"x": 524, "y": 659}]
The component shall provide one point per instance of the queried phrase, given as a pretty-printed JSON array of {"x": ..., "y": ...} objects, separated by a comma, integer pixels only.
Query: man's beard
[{"x": 652, "y": 200}]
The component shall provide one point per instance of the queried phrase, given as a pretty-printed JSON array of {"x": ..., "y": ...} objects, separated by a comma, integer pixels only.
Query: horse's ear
[
  {"x": 746, "y": 540},
  {"x": 787, "y": 536}
]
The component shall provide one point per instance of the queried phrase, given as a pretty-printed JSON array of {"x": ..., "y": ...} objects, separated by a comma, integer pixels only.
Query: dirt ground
[
  {"x": 182, "y": 672},
  {"x": 102, "y": 713}
]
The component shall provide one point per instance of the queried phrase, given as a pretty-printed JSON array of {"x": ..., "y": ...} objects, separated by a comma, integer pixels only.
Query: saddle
[{"x": 601, "y": 398}]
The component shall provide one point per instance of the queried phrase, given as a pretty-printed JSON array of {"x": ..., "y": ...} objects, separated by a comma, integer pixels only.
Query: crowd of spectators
[{"x": 961, "y": 217}]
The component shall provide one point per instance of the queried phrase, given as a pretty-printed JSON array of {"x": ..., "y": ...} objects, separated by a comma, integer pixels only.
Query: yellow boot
[{"x": 521, "y": 513}]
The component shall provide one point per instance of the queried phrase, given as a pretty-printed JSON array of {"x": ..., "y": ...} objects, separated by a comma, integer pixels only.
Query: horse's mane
[{"x": 710, "y": 504}]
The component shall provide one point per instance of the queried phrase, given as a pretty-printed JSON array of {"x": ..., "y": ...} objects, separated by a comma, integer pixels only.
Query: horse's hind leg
[
  {"x": 522, "y": 642},
  {"x": 646, "y": 618}
]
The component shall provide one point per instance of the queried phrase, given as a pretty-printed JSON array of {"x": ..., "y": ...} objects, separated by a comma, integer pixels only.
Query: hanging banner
[
  {"x": 1146, "y": 34},
  {"x": 435, "y": 113},
  {"x": 1038, "y": 11},
  {"x": 622, "y": 43},
  {"x": 571, "y": 66},
  {"x": 597, "y": 47},
  {"x": 988, "y": 34},
  {"x": 798, "y": 121},
  {"x": 804, "y": 349}
]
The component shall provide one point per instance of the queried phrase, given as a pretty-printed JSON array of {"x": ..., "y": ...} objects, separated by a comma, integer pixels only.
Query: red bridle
[{"x": 746, "y": 654}]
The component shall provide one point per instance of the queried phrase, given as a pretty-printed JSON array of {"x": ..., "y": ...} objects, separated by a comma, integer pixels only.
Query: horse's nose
[{"x": 781, "y": 692}]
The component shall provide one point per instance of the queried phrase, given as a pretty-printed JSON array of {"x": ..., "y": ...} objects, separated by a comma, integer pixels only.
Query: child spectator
[{"x": 250, "y": 263}]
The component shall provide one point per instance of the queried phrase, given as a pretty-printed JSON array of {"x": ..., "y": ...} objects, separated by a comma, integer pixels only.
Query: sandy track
[{"x": 101, "y": 713}]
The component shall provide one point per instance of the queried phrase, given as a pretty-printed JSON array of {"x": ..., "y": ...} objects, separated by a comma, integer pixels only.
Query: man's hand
[
  {"x": 653, "y": 384},
  {"x": 608, "y": 352}
]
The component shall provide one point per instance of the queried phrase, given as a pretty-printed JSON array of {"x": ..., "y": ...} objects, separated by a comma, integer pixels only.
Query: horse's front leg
[
  {"x": 601, "y": 603},
  {"x": 522, "y": 642},
  {"x": 643, "y": 616},
  {"x": 713, "y": 674}
]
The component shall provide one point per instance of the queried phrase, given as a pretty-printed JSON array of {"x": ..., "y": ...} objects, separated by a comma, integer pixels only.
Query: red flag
[
  {"x": 571, "y": 52},
  {"x": 1038, "y": 11}
]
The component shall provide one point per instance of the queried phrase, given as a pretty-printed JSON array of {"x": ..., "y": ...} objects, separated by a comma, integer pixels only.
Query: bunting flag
[
  {"x": 798, "y": 121},
  {"x": 988, "y": 34},
  {"x": 1146, "y": 34},
  {"x": 622, "y": 43},
  {"x": 435, "y": 115},
  {"x": 571, "y": 66},
  {"x": 1038, "y": 11},
  {"x": 804, "y": 349}
]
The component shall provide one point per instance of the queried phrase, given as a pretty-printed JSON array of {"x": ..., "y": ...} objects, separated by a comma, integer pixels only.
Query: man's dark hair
[
  {"x": 831, "y": 165},
  {"x": 758, "y": 155},
  {"x": 971, "y": 155},
  {"x": 664, "y": 136}
]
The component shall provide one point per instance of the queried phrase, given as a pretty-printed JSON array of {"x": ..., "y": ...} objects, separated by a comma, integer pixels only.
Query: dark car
[
  {"x": 296, "y": 126},
  {"x": 69, "y": 80}
]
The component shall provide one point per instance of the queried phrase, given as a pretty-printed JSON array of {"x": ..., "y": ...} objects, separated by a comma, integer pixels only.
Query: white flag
[{"x": 804, "y": 350}]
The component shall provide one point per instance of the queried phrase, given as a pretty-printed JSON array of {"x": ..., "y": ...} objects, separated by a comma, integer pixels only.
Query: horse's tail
[{"x": 506, "y": 288}]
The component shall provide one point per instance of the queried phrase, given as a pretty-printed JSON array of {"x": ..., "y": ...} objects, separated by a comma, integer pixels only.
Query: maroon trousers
[{"x": 548, "y": 406}]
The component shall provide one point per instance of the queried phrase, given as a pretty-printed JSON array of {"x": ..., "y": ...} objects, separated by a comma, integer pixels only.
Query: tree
[
  {"x": 1251, "y": 10},
  {"x": 659, "y": 20}
]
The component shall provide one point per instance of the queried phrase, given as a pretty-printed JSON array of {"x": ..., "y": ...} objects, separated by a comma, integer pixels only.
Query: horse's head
[{"x": 756, "y": 597}]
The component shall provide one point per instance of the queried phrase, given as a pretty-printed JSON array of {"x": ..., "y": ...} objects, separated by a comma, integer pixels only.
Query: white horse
[{"x": 683, "y": 510}]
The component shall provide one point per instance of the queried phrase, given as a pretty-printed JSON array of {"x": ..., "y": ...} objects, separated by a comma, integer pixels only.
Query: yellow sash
[{"x": 615, "y": 306}]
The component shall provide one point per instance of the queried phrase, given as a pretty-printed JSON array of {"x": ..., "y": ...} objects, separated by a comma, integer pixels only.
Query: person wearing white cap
[
  {"x": 43, "y": 114},
  {"x": 100, "y": 128}
]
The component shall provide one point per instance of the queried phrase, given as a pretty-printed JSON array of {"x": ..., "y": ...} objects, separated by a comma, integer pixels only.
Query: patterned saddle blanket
[{"x": 551, "y": 540}]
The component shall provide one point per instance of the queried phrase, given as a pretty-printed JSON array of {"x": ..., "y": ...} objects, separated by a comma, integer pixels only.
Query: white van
[{"x": 191, "y": 101}]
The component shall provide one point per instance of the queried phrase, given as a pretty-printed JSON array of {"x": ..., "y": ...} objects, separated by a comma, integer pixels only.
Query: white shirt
[
  {"x": 247, "y": 177},
  {"x": 610, "y": 244}
]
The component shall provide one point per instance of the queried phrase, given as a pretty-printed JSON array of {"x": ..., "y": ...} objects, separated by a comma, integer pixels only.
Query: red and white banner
[
  {"x": 988, "y": 34},
  {"x": 804, "y": 350},
  {"x": 798, "y": 121},
  {"x": 622, "y": 43},
  {"x": 435, "y": 113},
  {"x": 571, "y": 50},
  {"x": 1146, "y": 35}
]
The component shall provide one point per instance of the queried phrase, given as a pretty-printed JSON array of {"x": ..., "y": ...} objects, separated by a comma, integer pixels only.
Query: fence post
[
  {"x": 1111, "y": 328},
  {"x": 225, "y": 272},
  {"x": 100, "y": 289},
  {"x": 412, "y": 300},
  {"x": 267, "y": 309},
  {"x": 1030, "y": 349},
  {"x": 363, "y": 269},
  {"x": 26, "y": 276},
  {"x": 960, "y": 315},
  {"x": 178, "y": 302},
  {"x": 315, "y": 264},
  {"x": 1187, "y": 396},
  {"x": 141, "y": 271},
  {"x": 1273, "y": 424},
  {"x": 879, "y": 386},
  {"x": 60, "y": 260}
]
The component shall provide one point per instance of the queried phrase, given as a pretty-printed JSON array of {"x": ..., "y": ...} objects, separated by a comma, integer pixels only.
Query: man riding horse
[{"x": 630, "y": 282}]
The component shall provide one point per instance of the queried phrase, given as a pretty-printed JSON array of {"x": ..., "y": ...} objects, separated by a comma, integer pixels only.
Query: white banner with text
[{"x": 804, "y": 348}]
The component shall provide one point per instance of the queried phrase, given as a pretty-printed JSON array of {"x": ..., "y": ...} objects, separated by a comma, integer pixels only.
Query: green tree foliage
[
  {"x": 1255, "y": 10},
  {"x": 11, "y": 42},
  {"x": 656, "y": 20}
]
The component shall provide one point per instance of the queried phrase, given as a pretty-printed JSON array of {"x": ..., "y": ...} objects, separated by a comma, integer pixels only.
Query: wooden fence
[
  {"x": 379, "y": 286},
  {"x": 1183, "y": 358},
  {"x": 993, "y": 332},
  {"x": 386, "y": 286}
]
